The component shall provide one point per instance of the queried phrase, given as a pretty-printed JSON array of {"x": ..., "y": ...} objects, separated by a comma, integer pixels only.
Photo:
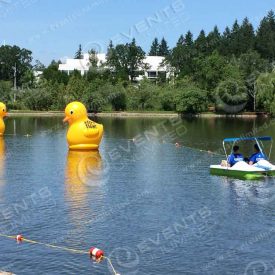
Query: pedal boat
[{"x": 243, "y": 170}]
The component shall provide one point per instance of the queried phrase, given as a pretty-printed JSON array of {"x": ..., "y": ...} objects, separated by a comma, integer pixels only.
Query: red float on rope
[
  {"x": 19, "y": 238},
  {"x": 97, "y": 253}
]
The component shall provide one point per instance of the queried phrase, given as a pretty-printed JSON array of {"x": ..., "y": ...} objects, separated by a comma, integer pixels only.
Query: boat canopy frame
[{"x": 258, "y": 141}]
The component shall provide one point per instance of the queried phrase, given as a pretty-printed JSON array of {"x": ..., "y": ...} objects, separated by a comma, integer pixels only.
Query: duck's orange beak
[
  {"x": 66, "y": 119},
  {"x": 6, "y": 114}
]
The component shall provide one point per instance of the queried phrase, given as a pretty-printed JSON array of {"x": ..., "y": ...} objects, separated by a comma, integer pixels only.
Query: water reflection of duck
[
  {"x": 2, "y": 161},
  {"x": 83, "y": 134},
  {"x": 3, "y": 113},
  {"x": 84, "y": 168},
  {"x": 82, "y": 173}
]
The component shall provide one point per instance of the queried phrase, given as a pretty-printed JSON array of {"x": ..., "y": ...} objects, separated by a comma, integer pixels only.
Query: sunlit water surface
[{"x": 151, "y": 206}]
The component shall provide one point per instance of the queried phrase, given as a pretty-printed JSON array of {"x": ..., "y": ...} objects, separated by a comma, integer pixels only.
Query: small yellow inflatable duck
[
  {"x": 83, "y": 134},
  {"x": 3, "y": 113}
]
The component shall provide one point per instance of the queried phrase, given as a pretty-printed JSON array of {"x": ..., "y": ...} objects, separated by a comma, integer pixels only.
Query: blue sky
[{"x": 53, "y": 29}]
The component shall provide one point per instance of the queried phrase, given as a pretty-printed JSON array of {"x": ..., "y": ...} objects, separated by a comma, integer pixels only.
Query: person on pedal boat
[
  {"x": 235, "y": 156},
  {"x": 257, "y": 156}
]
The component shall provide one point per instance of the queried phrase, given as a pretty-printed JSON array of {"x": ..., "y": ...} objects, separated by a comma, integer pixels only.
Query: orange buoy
[
  {"x": 19, "y": 238},
  {"x": 97, "y": 253}
]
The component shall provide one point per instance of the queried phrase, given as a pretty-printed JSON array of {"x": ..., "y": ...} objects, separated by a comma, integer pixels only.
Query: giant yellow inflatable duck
[
  {"x": 83, "y": 134},
  {"x": 3, "y": 113}
]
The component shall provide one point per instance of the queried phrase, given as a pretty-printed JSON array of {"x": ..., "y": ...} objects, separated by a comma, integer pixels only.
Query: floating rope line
[
  {"x": 111, "y": 265},
  {"x": 14, "y": 135},
  {"x": 95, "y": 253},
  {"x": 197, "y": 149}
]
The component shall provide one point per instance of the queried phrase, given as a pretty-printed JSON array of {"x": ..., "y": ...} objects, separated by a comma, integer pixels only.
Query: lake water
[{"x": 151, "y": 206}]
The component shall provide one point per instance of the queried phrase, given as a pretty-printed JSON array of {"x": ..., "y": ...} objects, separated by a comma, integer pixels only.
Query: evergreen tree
[
  {"x": 235, "y": 27},
  {"x": 78, "y": 54},
  {"x": 225, "y": 42},
  {"x": 238, "y": 40},
  {"x": 201, "y": 43},
  {"x": 181, "y": 40},
  {"x": 235, "y": 39},
  {"x": 271, "y": 18},
  {"x": 247, "y": 36},
  {"x": 213, "y": 40},
  {"x": 163, "y": 48},
  {"x": 265, "y": 40},
  {"x": 188, "y": 40},
  {"x": 154, "y": 48},
  {"x": 38, "y": 66},
  {"x": 110, "y": 50},
  {"x": 176, "y": 58},
  {"x": 111, "y": 46},
  {"x": 182, "y": 56},
  {"x": 135, "y": 59},
  {"x": 227, "y": 33}
]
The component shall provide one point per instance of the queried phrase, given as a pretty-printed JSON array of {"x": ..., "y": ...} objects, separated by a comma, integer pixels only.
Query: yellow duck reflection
[
  {"x": 2, "y": 161},
  {"x": 83, "y": 171}
]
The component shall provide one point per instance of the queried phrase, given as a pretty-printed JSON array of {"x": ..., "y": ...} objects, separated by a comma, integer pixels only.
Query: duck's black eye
[
  {"x": 72, "y": 112},
  {"x": 3, "y": 110}
]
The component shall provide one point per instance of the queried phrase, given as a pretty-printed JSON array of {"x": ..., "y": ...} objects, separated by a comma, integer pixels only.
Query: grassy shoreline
[{"x": 149, "y": 114}]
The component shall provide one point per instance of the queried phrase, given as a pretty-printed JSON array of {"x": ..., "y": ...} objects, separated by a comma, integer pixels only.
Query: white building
[
  {"x": 154, "y": 66},
  {"x": 81, "y": 65}
]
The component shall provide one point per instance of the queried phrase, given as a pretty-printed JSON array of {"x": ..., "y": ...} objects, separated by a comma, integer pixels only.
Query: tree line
[{"x": 229, "y": 71}]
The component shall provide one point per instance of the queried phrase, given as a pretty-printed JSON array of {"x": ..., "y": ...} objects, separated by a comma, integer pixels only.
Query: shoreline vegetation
[
  {"x": 29, "y": 113},
  {"x": 228, "y": 72}
]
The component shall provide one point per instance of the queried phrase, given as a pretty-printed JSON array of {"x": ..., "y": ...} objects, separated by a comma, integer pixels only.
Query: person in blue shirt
[
  {"x": 235, "y": 156},
  {"x": 257, "y": 156}
]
